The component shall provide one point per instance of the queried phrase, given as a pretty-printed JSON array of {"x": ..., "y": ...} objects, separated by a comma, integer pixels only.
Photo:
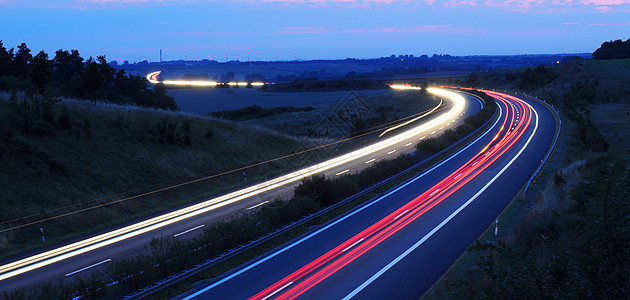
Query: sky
[{"x": 135, "y": 30}]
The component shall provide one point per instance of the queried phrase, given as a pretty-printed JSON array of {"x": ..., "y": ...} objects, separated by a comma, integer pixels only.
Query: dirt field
[{"x": 201, "y": 101}]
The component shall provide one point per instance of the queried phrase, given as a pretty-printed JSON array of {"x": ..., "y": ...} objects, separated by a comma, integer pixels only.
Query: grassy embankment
[
  {"x": 568, "y": 237},
  {"x": 59, "y": 158}
]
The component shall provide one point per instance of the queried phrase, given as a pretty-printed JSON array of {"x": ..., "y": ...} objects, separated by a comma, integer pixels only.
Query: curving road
[
  {"x": 397, "y": 245},
  {"x": 80, "y": 257}
]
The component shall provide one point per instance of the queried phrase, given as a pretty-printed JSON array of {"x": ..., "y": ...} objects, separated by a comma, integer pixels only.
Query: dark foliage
[
  {"x": 314, "y": 85},
  {"x": 579, "y": 253},
  {"x": 613, "y": 50},
  {"x": 67, "y": 75},
  {"x": 255, "y": 112},
  {"x": 537, "y": 77}
]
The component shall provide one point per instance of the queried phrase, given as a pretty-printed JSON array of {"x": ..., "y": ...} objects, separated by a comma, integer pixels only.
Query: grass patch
[
  {"x": 169, "y": 256},
  {"x": 255, "y": 112},
  {"x": 55, "y": 164}
]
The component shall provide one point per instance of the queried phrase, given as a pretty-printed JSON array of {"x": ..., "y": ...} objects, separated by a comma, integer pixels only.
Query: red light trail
[{"x": 513, "y": 127}]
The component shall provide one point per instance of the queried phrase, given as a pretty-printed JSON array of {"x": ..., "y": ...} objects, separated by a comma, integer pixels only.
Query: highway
[
  {"x": 397, "y": 245},
  {"x": 80, "y": 257}
]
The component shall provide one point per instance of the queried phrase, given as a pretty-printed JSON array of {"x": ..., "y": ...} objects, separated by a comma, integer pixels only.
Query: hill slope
[{"x": 62, "y": 156}]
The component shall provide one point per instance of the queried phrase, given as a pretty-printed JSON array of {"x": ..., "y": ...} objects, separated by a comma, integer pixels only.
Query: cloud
[
  {"x": 606, "y": 2},
  {"x": 539, "y": 6},
  {"x": 454, "y": 3}
]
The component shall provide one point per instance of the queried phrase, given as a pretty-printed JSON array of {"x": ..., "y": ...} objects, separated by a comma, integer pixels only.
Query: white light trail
[
  {"x": 189, "y": 230},
  {"x": 105, "y": 239},
  {"x": 152, "y": 78}
]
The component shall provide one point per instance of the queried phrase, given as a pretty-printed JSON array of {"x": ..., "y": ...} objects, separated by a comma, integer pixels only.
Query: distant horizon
[
  {"x": 135, "y": 30},
  {"x": 51, "y": 54}
]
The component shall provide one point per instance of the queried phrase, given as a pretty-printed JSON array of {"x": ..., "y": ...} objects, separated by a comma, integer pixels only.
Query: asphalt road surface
[
  {"x": 92, "y": 252},
  {"x": 398, "y": 245}
]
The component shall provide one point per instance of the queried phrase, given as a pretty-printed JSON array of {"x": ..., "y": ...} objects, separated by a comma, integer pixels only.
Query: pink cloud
[
  {"x": 460, "y": 3},
  {"x": 606, "y": 2}
]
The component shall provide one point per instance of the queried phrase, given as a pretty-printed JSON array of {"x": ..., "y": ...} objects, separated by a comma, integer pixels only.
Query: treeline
[
  {"x": 255, "y": 112},
  {"x": 613, "y": 50},
  {"x": 315, "y": 85},
  {"x": 68, "y": 74},
  {"x": 166, "y": 256},
  {"x": 576, "y": 101},
  {"x": 533, "y": 78}
]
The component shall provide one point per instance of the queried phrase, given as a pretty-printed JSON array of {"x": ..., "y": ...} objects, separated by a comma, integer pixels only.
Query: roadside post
[{"x": 496, "y": 228}]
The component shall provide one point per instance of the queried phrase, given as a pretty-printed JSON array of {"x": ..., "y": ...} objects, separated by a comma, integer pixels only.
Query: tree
[
  {"x": 227, "y": 77},
  {"x": 68, "y": 66},
  {"x": 5, "y": 60},
  {"x": 21, "y": 60},
  {"x": 92, "y": 79},
  {"x": 613, "y": 50},
  {"x": 40, "y": 71},
  {"x": 106, "y": 70}
]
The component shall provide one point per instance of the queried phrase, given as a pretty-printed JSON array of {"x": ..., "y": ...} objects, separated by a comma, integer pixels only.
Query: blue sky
[{"x": 311, "y": 29}]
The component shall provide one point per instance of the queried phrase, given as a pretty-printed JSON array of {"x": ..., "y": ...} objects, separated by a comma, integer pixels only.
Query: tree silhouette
[
  {"x": 5, "y": 60},
  {"x": 92, "y": 79},
  {"x": 21, "y": 60},
  {"x": 40, "y": 71}
]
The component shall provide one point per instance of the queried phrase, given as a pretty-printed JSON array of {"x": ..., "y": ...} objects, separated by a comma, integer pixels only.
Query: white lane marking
[
  {"x": 432, "y": 132},
  {"x": 191, "y": 229},
  {"x": 108, "y": 238},
  {"x": 421, "y": 138},
  {"x": 353, "y": 244},
  {"x": 371, "y": 160},
  {"x": 400, "y": 215},
  {"x": 352, "y": 213},
  {"x": 451, "y": 216},
  {"x": 475, "y": 163},
  {"x": 259, "y": 204},
  {"x": 408, "y": 144},
  {"x": 441, "y": 128},
  {"x": 390, "y": 152},
  {"x": 91, "y": 266},
  {"x": 276, "y": 291},
  {"x": 342, "y": 172},
  {"x": 434, "y": 192},
  {"x": 460, "y": 174}
]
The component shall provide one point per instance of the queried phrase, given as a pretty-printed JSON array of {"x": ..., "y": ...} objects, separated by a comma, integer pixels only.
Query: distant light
[{"x": 404, "y": 87}]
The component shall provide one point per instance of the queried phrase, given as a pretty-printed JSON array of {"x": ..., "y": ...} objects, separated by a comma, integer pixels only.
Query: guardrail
[
  {"x": 553, "y": 146},
  {"x": 159, "y": 285}
]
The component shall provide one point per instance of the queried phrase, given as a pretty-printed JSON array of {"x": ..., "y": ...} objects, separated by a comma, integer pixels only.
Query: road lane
[
  {"x": 136, "y": 238},
  {"x": 423, "y": 264}
]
